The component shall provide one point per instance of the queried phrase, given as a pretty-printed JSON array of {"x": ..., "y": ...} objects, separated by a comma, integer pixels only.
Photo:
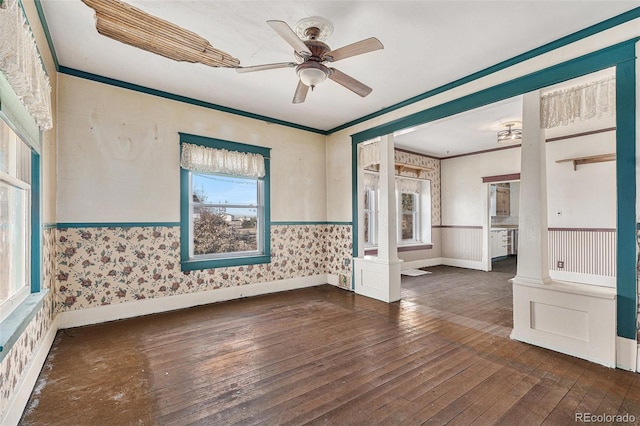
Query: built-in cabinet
[{"x": 499, "y": 243}]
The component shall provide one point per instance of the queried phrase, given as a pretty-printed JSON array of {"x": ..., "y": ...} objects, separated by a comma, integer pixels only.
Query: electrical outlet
[{"x": 560, "y": 264}]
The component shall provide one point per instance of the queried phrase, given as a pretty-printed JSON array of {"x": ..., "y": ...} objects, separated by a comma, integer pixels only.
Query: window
[
  {"x": 409, "y": 218},
  {"x": 413, "y": 210},
  {"x": 15, "y": 221},
  {"x": 225, "y": 218},
  {"x": 226, "y": 215},
  {"x": 370, "y": 216}
]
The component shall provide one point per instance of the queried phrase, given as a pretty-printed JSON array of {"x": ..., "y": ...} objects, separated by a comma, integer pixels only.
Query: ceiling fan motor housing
[{"x": 318, "y": 51}]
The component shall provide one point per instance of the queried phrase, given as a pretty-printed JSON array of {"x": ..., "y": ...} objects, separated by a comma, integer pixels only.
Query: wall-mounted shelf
[
  {"x": 578, "y": 161},
  {"x": 402, "y": 167}
]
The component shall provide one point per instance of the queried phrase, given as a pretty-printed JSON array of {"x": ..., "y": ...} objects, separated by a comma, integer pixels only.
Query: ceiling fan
[{"x": 312, "y": 54}]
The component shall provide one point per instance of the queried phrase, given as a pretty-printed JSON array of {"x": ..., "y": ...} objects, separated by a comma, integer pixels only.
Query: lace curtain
[
  {"x": 403, "y": 185},
  {"x": 21, "y": 64},
  {"x": 591, "y": 100},
  {"x": 412, "y": 186},
  {"x": 370, "y": 181},
  {"x": 200, "y": 158},
  {"x": 369, "y": 154}
]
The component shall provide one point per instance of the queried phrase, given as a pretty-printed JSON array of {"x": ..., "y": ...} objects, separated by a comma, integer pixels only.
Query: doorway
[{"x": 504, "y": 202}]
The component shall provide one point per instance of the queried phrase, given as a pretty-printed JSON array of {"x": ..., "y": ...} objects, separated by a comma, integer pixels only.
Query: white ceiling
[
  {"x": 427, "y": 44},
  {"x": 477, "y": 130},
  {"x": 470, "y": 131}
]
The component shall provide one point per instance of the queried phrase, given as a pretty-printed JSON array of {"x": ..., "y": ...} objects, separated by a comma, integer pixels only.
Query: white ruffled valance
[
  {"x": 411, "y": 186},
  {"x": 584, "y": 102},
  {"x": 200, "y": 158},
  {"x": 20, "y": 62},
  {"x": 369, "y": 154}
]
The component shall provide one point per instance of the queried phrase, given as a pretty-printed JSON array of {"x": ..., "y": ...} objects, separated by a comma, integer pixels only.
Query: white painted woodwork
[
  {"x": 627, "y": 354},
  {"x": 379, "y": 277},
  {"x": 462, "y": 243},
  {"x": 589, "y": 256},
  {"x": 572, "y": 318},
  {"x": 387, "y": 217},
  {"x": 532, "y": 244}
]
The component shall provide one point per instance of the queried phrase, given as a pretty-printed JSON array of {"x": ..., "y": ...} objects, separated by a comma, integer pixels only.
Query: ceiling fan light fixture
[
  {"x": 510, "y": 135},
  {"x": 312, "y": 73}
]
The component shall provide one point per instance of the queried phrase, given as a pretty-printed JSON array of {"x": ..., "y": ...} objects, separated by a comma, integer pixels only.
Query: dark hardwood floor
[{"x": 323, "y": 355}]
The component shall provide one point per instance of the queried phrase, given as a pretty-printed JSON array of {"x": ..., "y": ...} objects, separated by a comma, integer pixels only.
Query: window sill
[
  {"x": 194, "y": 265},
  {"x": 412, "y": 247},
  {"x": 14, "y": 325}
]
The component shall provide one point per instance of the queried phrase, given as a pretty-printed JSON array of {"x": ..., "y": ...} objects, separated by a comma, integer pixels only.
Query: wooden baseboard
[
  {"x": 626, "y": 354},
  {"x": 119, "y": 311},
  {"x": 469, "y": 264},
  {"x": 20, "y": 398}
]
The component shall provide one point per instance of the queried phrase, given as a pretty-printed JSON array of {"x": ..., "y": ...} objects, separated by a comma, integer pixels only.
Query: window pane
[
  {"x": 15, "y": 155},
  {"x": 407, "y": 226},
  {"x": 366, "y": 227},
  {"x": 408, "y": 204},
  {"x": 223, "y": 232},
  {"x": 221, "y": 223},
  {"x": 13, "y": 240},
  {"x": 215, "y": 189}
]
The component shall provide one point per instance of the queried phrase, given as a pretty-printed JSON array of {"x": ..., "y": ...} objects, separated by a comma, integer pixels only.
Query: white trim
[
  {"x": 422, "y": 263},
  {"x": 333, "y": 279},
  {"x": 118, "y": 311},
  {"x": 575, "y": 277},
  {"x": 626, "y": 354},
  {"x": 460, "y": 263},
  {"x": 20, "y": 396},
  {"x": 574, "y": 319}
]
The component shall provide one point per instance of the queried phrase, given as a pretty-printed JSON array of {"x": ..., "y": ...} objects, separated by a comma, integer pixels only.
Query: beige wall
[
  {"x": 462, "y": 187},
  {"x": 119, "y": 156}
]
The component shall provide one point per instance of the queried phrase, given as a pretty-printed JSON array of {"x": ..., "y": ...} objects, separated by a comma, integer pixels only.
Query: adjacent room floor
[{"x": 326, "y": 356}]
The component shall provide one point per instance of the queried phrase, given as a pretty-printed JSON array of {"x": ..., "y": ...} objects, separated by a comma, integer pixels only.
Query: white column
[
  {"x": 533, "y": 246},
  {"x": 388, "y": 222},
  {"x": 379, "y": 277},
  {"x": 571, "y": 318}
]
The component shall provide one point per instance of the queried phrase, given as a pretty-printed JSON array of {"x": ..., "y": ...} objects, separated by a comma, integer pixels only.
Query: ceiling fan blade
[
  {"x": 264, "y": 67},
  {"x": 357, "y": 48},
  {"x": 349, "y": 82},
  {"x": 301, "y": 93},
  {"x": 127, "y": 24},
  {"x": 290, "y": 37}
]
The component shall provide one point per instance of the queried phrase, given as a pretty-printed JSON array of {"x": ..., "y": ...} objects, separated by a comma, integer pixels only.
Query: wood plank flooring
[{"x": 323, "y": 355}]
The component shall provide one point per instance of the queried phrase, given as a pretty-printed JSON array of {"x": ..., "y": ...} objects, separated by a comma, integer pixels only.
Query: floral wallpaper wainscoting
[
  {"x": 339, "y": 253},
  {"x": 106, "y": 265},
  {"x": 15, "y": 363}
]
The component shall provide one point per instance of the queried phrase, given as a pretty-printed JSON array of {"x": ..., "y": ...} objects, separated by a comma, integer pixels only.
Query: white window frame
[
  {"x": 422, "y": 216},
  {"x": 14, "y": 300},
  {"x": 372, "y": 211}
]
